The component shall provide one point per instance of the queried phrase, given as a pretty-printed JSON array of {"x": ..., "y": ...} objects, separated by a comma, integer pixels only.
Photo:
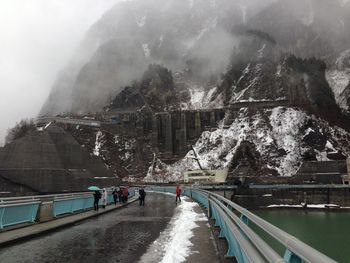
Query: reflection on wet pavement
[{"x": 120, "y": 236}]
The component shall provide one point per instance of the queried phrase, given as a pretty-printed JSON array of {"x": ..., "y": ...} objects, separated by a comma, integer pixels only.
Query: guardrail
[
  {"x": 300, "y": 186},
  {"x": 18, "y": 210},
  {"x": 243, "y": 242},
  {"x": 72, "y": 203},
  {"x": 72, "y": 121},
  {"x": 76, "y": 202}
]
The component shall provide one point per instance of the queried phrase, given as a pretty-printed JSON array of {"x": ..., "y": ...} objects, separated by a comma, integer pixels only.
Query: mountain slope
[{"x": 282, "y": 138}]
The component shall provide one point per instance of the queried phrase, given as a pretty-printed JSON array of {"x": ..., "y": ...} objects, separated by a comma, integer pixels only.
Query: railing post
[
  {"x": 209, "y": 207},
  {"x": 45, "y": 209},
  {"x": 290, "y": 257},
  {"x": 2, "y": 212},
  {"x": 244, "y": 219},
  {"x": 33, "y": 214}
]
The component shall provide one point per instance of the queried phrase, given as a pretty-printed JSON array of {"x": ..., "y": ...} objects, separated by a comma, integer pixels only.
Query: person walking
[
  {"x": 178, "y": 193},
  {"x": 115, "y": 195},
  {"x": 125, "y": 194},
  {"x": 97, "y": 197},
  {"x": 120, "y": 195},
  {"x": 104, "y": 198},
  {"x": 142, "y": 195}
]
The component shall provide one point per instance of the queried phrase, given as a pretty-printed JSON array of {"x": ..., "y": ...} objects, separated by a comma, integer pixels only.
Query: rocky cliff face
[
  {"x": 193, "y": 54},
  {"x": 268, "y": 142}
]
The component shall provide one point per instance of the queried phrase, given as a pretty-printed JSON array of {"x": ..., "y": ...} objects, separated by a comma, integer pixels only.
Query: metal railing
[
  {"x": 73, "y": 121},
  {"x": 18, "y": 210},
  {"x": 76, "y": 202},
  {"x": 68, "y": 204},
  {"x": 243, "y": 242},
  {"x": 300, "y": 186}
]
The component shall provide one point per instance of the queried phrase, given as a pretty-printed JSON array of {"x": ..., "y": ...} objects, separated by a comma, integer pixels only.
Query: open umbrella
[{"x": 94, "y": 188}]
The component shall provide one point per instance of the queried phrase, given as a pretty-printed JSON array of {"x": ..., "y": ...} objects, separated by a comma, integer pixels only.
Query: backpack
[{"x": 98, "y": 195}]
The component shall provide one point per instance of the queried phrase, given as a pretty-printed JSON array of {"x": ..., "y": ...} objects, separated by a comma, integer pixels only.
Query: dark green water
[{"x": 328, "y": 232}]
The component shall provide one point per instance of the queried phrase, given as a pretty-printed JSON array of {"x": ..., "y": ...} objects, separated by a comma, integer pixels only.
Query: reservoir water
[{"x": 328, "y": 232}]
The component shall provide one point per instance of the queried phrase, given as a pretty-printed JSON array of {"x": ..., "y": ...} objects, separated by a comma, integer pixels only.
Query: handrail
[
  {"x": 19, "y": 204},
  {"x": 37, "y": 196},
  {"x": 254, "y": 248},
  {"x": 17, "y": 210},
  {"x": 270, "y": 254},
  {"x": 306, "y": 252},
  {"x": 249, "y": 251},
  {"x": 54, "y": 196}
]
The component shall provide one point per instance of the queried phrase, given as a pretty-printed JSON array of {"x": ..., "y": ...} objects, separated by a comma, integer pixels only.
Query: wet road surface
[{"x": 120, "y": 236}]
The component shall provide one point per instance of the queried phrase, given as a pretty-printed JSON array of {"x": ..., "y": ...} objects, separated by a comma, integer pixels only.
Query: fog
[
  {"x": 37, "y": 39},
  {"x": 136, "y": 33}
]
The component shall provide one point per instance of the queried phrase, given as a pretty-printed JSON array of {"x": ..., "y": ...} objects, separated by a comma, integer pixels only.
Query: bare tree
[{"x": 20, "y": 130}]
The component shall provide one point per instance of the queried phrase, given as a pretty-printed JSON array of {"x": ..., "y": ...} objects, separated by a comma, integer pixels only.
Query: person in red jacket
[
  {"x": 125, "y": 194},
  {"x": 178, "y": 193}
]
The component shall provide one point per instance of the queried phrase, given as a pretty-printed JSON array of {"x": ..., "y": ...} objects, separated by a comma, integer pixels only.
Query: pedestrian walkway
[
  {"x": 204, "y": 244},
  {"x": 187, "y": 238},
  {"x": 123, "y": 235},
  {"x": 161, "y": 231},
  {"x": 12, "y": 236}
]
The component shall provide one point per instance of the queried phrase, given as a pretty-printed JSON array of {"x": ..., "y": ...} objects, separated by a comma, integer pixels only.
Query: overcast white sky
[{"x": 37, "y": 39}]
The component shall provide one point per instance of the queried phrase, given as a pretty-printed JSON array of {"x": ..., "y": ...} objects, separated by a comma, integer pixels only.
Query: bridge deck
[{"x": 123, "y": 235}]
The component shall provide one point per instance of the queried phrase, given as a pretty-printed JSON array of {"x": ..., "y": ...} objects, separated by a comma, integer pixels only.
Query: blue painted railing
[
  {"x": 18, "y": 210},
  {"x": 65, "y": 204},
  {"x": 14, "y": 211},
  {"x": 72, "y": 203},
  {"x": 244, "y": 243}
]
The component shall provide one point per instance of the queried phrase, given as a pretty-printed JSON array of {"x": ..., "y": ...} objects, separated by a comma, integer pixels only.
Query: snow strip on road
[{"x": 174, "y": 245}]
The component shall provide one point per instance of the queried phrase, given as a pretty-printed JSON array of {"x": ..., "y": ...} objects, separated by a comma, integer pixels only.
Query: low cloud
[{"x": 37, "y": 39}]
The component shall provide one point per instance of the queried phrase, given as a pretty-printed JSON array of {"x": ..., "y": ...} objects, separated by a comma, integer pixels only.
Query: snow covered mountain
[
  {"x": 196, "y": 54},
  {"x": 269, "y": 142}
]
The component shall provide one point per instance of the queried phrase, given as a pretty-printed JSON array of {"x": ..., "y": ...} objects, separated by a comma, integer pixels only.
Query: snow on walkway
[{"x": 174, "y": 245}]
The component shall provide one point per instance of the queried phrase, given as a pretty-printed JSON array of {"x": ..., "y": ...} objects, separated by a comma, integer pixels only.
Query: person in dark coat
[
  {"x": 142, "y": 195},
  {"x": 97, "y": 197},
  {"x": 178, "y": 193},
  {"x": 120, "y": 195},
  {"x": 115, "y": 195}
]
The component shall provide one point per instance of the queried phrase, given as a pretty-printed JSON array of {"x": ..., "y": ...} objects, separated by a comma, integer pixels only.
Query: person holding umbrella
[{"x": 97, "y": 196}]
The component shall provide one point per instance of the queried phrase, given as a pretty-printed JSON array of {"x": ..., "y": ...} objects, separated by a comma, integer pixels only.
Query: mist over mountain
[
  {"x": 133, "y": 34},
  {"x": 197, "y": 36}
]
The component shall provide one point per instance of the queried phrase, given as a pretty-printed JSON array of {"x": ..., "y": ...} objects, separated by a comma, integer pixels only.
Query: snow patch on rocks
[
  {"x": 201, "y": 99},
  {"x": 141, "y": 21},
  {"x": 339, "y": 80},
  {"x": 98, "y": 143},
  {"x": 286, "y": 124},
  {"x": 277, "y": 135},
  {"x": 146, "y": 50}
]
